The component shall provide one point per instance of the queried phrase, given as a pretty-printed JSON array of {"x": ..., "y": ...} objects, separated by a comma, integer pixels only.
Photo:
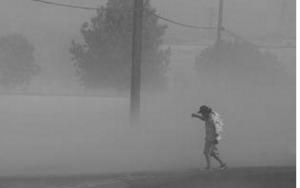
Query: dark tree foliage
[
  {"x": 16, "y": 61},
  {"x": 249, "y": 83},
  {"x": 246, "y": 80},
  {"x": 242, "y": 64},
  {"x": 104, "y": 60}
]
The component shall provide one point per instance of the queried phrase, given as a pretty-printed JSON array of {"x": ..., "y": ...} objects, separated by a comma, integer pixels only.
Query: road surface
[{"x": 262, "y": 177}]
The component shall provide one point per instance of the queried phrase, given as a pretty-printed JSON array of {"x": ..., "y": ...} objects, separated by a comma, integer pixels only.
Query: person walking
[{"x": 213, "y": 130}]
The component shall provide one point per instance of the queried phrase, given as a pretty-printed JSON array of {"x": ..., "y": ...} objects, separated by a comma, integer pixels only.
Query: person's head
[{"x": 205, "y": 110}]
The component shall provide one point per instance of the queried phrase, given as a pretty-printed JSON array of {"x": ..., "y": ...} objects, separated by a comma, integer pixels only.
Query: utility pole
[
  {"x": 220, "y": 22},
  {"x": 283, "y": 18},
  {"x": 136, "y": 62},
  {"x": 211, "y": 16}
]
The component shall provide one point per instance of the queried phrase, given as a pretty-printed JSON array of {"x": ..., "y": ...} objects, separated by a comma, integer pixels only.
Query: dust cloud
[
  {"x": 85, "y": 135},
  {"x": 57, "y": 134}
]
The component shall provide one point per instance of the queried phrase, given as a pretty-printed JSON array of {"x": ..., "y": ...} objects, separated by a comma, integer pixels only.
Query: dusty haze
[{"x": 74, "y": 135}]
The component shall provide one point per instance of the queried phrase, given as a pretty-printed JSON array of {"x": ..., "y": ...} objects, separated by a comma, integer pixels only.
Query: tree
[
  {"x": 104, "y": 60},
  {"x": 242, "y": 78},
  {"x": 241, "y": 63},
  {"x": 16, "y": 61}
]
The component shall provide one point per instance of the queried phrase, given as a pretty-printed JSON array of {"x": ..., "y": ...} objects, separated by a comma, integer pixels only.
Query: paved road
[
  {"x": 230, "y": 178},
  {"x": 237, "y": 178}
]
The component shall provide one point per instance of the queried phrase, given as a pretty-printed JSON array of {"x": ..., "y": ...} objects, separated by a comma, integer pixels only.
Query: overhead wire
[
  {"x": 259, "y": 46},
  {"x": 181, "y": 24},
  {"x": 170, "y": 21},
  {"x": 150, "y": 13},
  {"x": 66, "y": 5}
]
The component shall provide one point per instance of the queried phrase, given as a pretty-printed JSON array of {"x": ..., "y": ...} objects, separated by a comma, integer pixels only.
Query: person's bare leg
[
  {"x": 208, "y": 161},
  {"x": 217, "y": 157}
]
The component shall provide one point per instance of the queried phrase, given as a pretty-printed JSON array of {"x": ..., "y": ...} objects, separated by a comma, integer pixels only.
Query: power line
[
  {"x": 93, "y": 8},
  {"x": 66, "y": 5},
  {"x": 73, "y": 6},
  {"x": 173, "y": 22},
  {"x": 181, "y": 24},
  {"x": 235, "y": 35},
  {"x": 259, "y": 46}
]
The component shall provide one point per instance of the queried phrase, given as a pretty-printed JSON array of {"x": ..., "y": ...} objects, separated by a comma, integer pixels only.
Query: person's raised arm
[{"x": 198, "y": 116}]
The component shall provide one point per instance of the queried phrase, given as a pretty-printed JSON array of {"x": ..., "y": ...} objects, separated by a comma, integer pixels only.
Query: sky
[{"x": 62, "y": 135}]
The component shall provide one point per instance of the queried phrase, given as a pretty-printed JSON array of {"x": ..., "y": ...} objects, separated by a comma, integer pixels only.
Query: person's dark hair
[{"x": 204, "y": 110}]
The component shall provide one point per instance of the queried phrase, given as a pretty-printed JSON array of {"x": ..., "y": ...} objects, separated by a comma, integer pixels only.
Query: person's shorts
[{"x": 210, "y": 148}]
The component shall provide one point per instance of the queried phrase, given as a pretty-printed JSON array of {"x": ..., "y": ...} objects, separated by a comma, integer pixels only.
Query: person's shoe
[{"x": 223, "y": 166}]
